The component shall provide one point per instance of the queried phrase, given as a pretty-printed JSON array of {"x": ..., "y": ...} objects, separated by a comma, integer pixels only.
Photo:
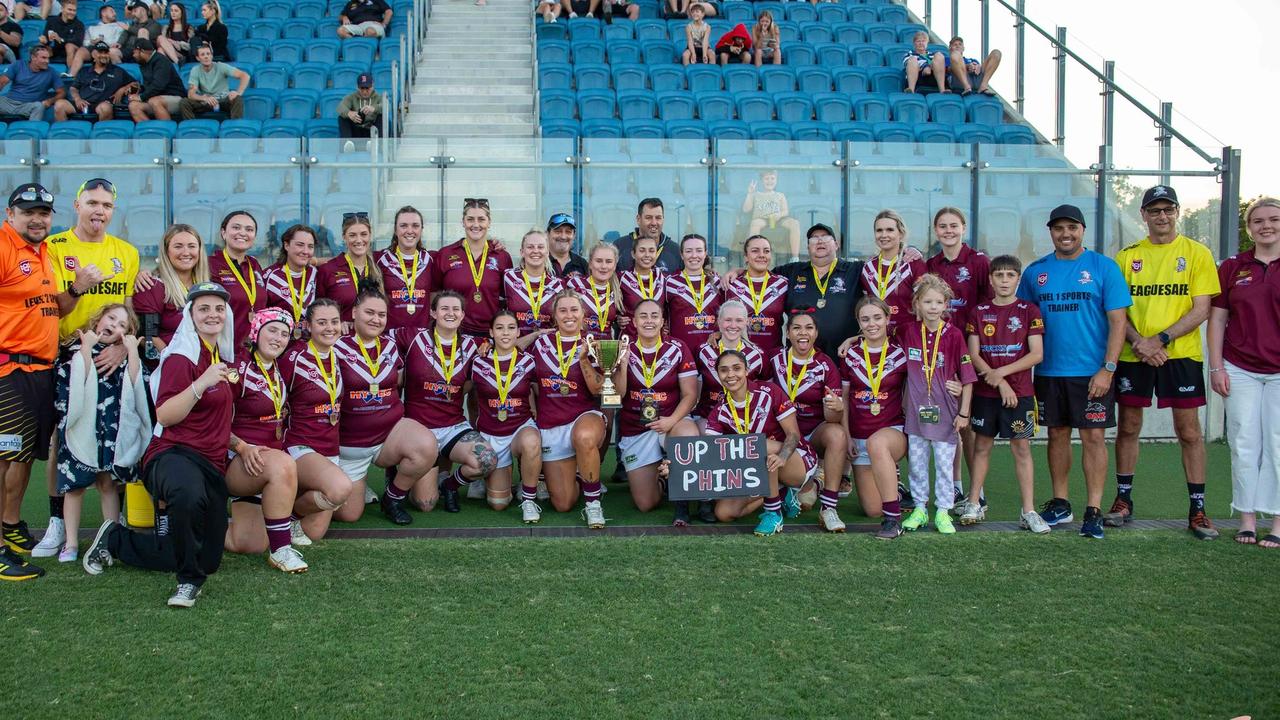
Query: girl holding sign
[
  {"x": 529, "y": 289},
  {"x": 761, "y": 408},
  {"x": 763, "y": 292}
]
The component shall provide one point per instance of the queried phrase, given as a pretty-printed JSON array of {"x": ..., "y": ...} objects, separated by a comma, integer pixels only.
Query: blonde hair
[
  {"x": 373, "y": 274},
  {"x": 131, "y": 322},
  {"x": 930, "y": 282},
  {"x": 174, "y": 291},
  {"x": 757, "y": 35},
  {"x": 614, "y": 289},
  {"x": 1264, "y": 201},
  {"x": 897, "y": 220},
  {"x": 532, "y": 232}
]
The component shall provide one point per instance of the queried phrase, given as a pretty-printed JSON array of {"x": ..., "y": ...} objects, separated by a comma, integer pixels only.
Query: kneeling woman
[
  {"x": 261, "y": 477},
  {"x": 569, "y": 417},
  {"x": 659, "y": 389},
  {"x": 503, "y": 382},
  {"x": 760, "y": 408},
  {"x": 374, "y": 430}
]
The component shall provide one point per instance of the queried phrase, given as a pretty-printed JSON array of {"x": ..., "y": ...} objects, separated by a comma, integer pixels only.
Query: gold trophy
[{"x": 607, "y": 354}]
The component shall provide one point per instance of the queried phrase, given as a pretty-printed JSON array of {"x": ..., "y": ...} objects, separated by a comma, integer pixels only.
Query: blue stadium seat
[
  {"x": 310, "y": 9},
  {"x": 597, "y": 104},
  {"x": 329, "y": 100},
  {"x": 729, "y": 130},
  {"x": 586, "y": 52},
  {"x": 851, "y": 81},
  {"x": 637, "y": 105},
  {"x": 703, "y": 78},
  {"x": 1012, "y": 134},
  {"x": 602, "y": 128},
  {"x": 321, "y": 51},
  {"x": 287, "y": 51},
  {"x": 624, "y": 52},
  {"x": 666, "y": 77},
  {"x": 651, "y": 30},
  {"x": 800, "y": 53},
  {"x": 298, "y": 104},
  {"x": 265, "y": 29},
  {"x": 646, "y": 128},
  {"x": 240, "y": 128},
  {"x": 122, "y": 129},
  {"x": 359, "y": 50},
  {"x": 816, "y": 32},
  {"x": 849, "y": 33},
  {"x": 984, "y": 109},
  {"x": 935, "y": 133},
  {"x": 870, "y": 107},
  {"x": 831, "y": 54},
  {"x": 677, "y": 105},
  {"x": 260, "y": 104},
  {"x": 894, "y": 132},
  {"x": 237, "y": 30},
  {"x": 777, "y": 79},
  {"x": 893, "y": 14},
  {"x": 832, "y": 14},
  {"x": 948, "y": 108},
  {"x": 975, "y": 133},
  {"x": 155, "y": 129},
  {"x": 866, "y": 55},
  {"x": 800, "y": 12},
  {"x": 775, "y": 7},
  {"x": 557, "y": 104},
  {"x": 252, "y": 51},
  {"x": 771, "y": 130},
  {"x": 630, "y": 77},
  {"x": 551, "y": 31},
  {"x": 311, "y": 76},
  {"x": 811, "y": 131},
  {"x": 239, "y": 9},
  {"x": 305, "y": 29},
  {"x": 741, "y": 78},
  {"x": 788, "y": 32},
  {"x": 28, "y": 129},
  {"x": 553, "y": 51},
  {"x": 832, "y": 107},
  {"x": 197, "y": 128},
  {"x": 658, "y": 52},
  {"x": 283, "y": 128},
  {"x": 344, "y": 74},
  {"x": 853, "y": 131},
  {"x": 715, "y": 106},
  {"x": 389, "y": 48},
  {"x": 690, "y": 129},
  {"x": 592, "y": 76},
  {"x": 793, "y": 107},
  {"x": 584, "y": 28},
  {"x": 271, "y": 76},
  {"x": 887, "y": 80},
  {"x": 755, "y": 107},
  {"x": 70, "y": 130},
  {"x": 880, "y": 33},
  {"x": 619, "y": 30},
  {"x": 738, "y": 12},
  {"x": 813, "y": 80},
  {"x": 276, "y": 9},
  {"x": 561, "y": 128},
  {"x": 555, "y": 76},
  {"x": 908, "y": 107}
]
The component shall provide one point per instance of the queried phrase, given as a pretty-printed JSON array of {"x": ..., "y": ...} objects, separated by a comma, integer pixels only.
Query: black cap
[
  {"x": 1066, "y": 212},
  {"x": 364, "y": 81},
  {"x": 559, "y": 219},
  {"x": 207, "y": 288},
  {"x": 31, "y": 195},
  {"x": 136, "y": 5},
  {"x": 1159, "y": 192},
  {"x": 143, "y": 44},
  {"x": 820, "y": 227},
  {"x": 101, "y": 46}
]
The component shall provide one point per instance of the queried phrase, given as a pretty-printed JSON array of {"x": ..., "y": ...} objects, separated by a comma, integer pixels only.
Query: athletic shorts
[
  {"x": 557, "y": 442},
  {"x": 1177, "y": 384},
  {"x": 28, "y": 418},
  {"x": 355, "y": 461},
  {"x": 579, "y": 6},
  {"x": 298, "y": 451},
  {"x": 251, "y": 499},
  {"x": 858, "y": 454},
  {"x": 990, "y": 418},
  {"x": 637, "y": 451},
  {"x": 358, "y": 29},
  {"x": 501, "y": 444},
  {"x": 920, "y": 62},
  {"x": 447, "y": 437},
  {"x": 1064, "y": 402}
]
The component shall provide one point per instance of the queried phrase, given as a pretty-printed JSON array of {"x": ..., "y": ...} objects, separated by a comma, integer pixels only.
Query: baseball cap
[
  {"x": 143, "y": 44},
  {"x": 31, "y": 195},
  {"x": 559, "y": 219},
  {"x": 136, "y": 5},
  {"x": 1159, "y": 192},
  {"x": 101, "y": 46},
  {"x": 364, "y": 81},
  {"x": 820, "y": 227},
  {"x": 207, "y": 288},
  {"x": 1066, "y": 212}
]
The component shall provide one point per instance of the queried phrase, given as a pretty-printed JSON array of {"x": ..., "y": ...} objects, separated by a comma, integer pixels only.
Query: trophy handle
[{"x": 592, "y": 350}]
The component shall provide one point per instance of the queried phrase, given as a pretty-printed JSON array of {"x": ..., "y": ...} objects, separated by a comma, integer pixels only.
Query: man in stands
[
  {"x": 162, "y": 89},
  {"x": 580, "y": 7},
  {"x": 208, "y": 89},
  {"x": 919, "y": 63},
  {"x": 143, "y": 26},
  {"x": 364, "y": 18},
  {"x": 64, "y": 34},
  {"x": 361, "y": 111},
  {"x": 31, "y": 81},
  {"x": 649, "y": 221},
  {"x": 10, "y": 36},
  {"x": 966, "y": 69},
  {"x": 561, "y": 231},
  {"x": 96, "y": 89},
  {"x": 107, "y": 30}
]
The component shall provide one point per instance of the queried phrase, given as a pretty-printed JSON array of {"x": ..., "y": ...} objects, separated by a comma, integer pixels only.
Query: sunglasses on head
[
  {"x": 362, "y": 215},
  {"x": 561, "y": 219},
  {"x": 96, "y": 184},
  {"x": 476, "y": 202},
  {"x": 34, "y": 195}
]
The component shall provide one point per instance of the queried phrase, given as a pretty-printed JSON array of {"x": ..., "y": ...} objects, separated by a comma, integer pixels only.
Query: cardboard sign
[{"x": 717, "y": 466}]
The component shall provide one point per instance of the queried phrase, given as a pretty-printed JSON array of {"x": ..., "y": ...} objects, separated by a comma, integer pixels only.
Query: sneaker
[
  {"x": 1092, "y": 525},
  {"x": 449, "y": 498},
  {"x": 530, "y": 512},
  {"x": 905, "y": 501},
  {"x": 297, "y": 535},
  {"x": 890, "y": 529},
  {"x": 55, "y": 536},
  {"x": 918, "y": 518},
  {"x": 287, "y": 559},
  {"x": 69, "y": 554},
  {"x": 790, "y": 503},
  {"x": 942, "y": 521},
  {"x": 1032, "y": 521},
  {"x": 184, "y": 597},
  {"x": 19, "y": 538},
  {"x": 98, "y": 558},
  {"x": 972, "y": 513},
  {"x": 957, "y": 502},
  {"x": 543, "y": 493},
  {"x": 770, "y": 523},
  {"x": 476, "y": 490},
  {"x": 682, "y": 514},
  {"x": 14, "y": 568},
  {"x": 1200, "y": 525},
  {"x": 1120, "y": 513},
  {"x": 829, "y": 520},
  {"x": 707, "y": 512},
  {"x": 394, "y": 510},
  {"x": 593, "y": 513},
  {"x": 1056, "y": 511},
  {"x": 370, "y": 497}
]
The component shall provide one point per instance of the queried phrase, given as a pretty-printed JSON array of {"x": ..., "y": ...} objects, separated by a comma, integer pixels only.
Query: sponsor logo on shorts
[
  {"x": 1186, "y": 388},
  {"x": 629, "y": 458},
  {"x": 978, "y": 422},
  {"x": 1125, "y": 385},
  {"x": 10, "y": 443},
  {"x": 1095, "y": 412},
  {"x": 1018, "y": 427}
]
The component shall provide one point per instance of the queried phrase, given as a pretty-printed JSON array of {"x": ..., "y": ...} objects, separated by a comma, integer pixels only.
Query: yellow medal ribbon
[
  {"x": 477, "y": 274},
  {"x": 504, "y": 385},
  {"x": 793, "y": 385},
  {"x": 874, "y": 378},
  {"x": 743, "y": 425},
  {"x": 215, "y": 356},
  {"x": 825, "y": 281},
  {"x": 410, "y": 281},
  {"x": 275, "y": 391},
  {"x": 930, "y": 364},
  {"x": 330, "y": 378},
  {"x": 296, "y": 296},
  {"x": 650, "y": 372},
  {"x": 882, "y": 281},
  {"x": 374, "y": 363},
  {"x": 602, "y": 309},
  {"x": 535, "y": 301},
  {"x": 250, "y": 288},
  {"x": 698, "y": 301},
  {"x": 446, "y": 366},
  {"x": 647, "y": 293},
  {"x": 356, "y": 278},
  {"x": 757, "y": 299},
  {"x": 565, "y": 362}
]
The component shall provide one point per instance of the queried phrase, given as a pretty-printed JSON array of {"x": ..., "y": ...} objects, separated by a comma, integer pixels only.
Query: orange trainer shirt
[{"x": 28, "y": 301}]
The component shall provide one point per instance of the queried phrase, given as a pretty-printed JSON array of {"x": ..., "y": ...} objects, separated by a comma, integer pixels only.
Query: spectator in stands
[
  {"x": 39, "y": 8},
  {"x": 208, "y": 89},
  {"x": 549, "y": 9},
  {"x": 162, "y": 91},
  {"x": 766, "y": 40},
  {"x": 580, "y": 7},
  {"x": 32, "y": 82},
  {"x": 141, "y": 27},
  {"x": 768, "y": 208},
  {"x": 214, "y": 32},
  {"x": 697, "y": 36},
  {"x": 361, "y": 111},
  {"x": 966, "y": 69},
  {"x": 96, "y": 89},
  {"x": 735, "y": 46},
  {"x": 649, "y": 223},
  {"x": 175, "y": 40},
  {"x": 918, "y": 62},
  {"x": 364, "y": 18},
  {"x": 64, "y": 35},
  {"x": 614, "y": 8},
  {"x": 107, "y": 30},
  {"x": 10, "y": 36},
  {"x": 155, "y": 8}
]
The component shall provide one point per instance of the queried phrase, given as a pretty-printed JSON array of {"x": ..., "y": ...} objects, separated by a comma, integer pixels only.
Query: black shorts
[
  {"x": 1064, "y": 402},
  {"x": 991, "y": 418},
  {"x": 1177, "y": 384},
  {"x": 27, "y": 418},
  {"x": 581, "y": 7}
]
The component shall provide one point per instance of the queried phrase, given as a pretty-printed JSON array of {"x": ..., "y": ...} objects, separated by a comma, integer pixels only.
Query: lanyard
[
  {"x": 874, "y": 378},
  {"x": 793, "y": 385},
  {"x": 446, "y": 366},
  {"x": 825, "y": 281},
  {"x": 565, "y": 362},
  {"x": 649, "y": 372},
  {"x": 250, "y": 288},
  {"x": 275, "y": 391},
  {"x": 356, "y": 278},
  {"x": 214, "y": 356},
  {"x": 331, "y": 377},
  {"x": 374, "y": 363},
  {"x": 410, "y": 281},
  {"x": 699, "y": 301},
  {"x": 504, "y": 384},
  {"x": 883, "y": 281},
  {"x": 535, "y": 301},
  {"x": 477, "y": 273},
  {"x": 647, "y": 293},
  {"x": 296, "y": 297},
  {"x": 602, "y": 309},
  {"x": 757, "y": 299},
  {"x": 743, "y": 425},
  {"x": 930, "y": 364}
]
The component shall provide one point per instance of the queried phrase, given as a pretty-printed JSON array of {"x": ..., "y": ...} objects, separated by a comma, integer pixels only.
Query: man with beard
[
  {"x": 561, "y": 231},
  {"x": 649, "y": 221}
]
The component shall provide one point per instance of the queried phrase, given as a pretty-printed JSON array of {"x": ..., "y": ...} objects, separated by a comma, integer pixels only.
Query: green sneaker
[
  {"x": 770, "y": 523},
  {"x": 918, "y": 518},
  {"x": 942, "y": 521}
]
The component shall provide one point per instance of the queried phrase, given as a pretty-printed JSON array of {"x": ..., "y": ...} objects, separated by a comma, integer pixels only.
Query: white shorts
[
  {"x": 359, "y": 29},
  {"x": 446, "y": 435},
  {"x": 297, "y": 451},
  {"x": 355, "y": 461},
  {"x": 557, "y": 442},
  {"x": 858, "y": 450},
  {"x": 637, "y": 451},
  {"x": 502, "y": 444}
]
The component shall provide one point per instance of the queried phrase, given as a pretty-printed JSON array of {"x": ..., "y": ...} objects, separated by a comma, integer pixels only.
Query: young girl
[
  {"x": 645, "y": 282},
  {"x": 503, "y": 384},
  {"x": 105, "y": 424},
  {"x": 697, "y": 38},
  {"x": 940, "y": 381},
  {"x": 692, "y": 295},
  {"x": 765, "y": 37},
  {"x": 768, "y": 208}
]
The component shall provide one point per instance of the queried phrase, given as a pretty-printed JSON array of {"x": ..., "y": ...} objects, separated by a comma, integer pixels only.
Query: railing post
[
  {"x": 1229, "y": 212},
  {"x": 1104, "y": 196},
  {"x": 1060, "y": 90},
  {"x": 1165, "y": 140},
  {"x": 1109, "y": 103},
  {"x": 928, "y": 14},
  {"x": 986, "y": 29},
  {"x": 955, "y": 18},
  {"x": 975, "y": 192},
  {"x": 1020, "y": 51}
]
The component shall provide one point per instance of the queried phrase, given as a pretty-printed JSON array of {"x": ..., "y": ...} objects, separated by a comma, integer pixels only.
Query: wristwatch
[
  {"x": 1109, "y": 366},
  {"x": 1164, "y": 338}
]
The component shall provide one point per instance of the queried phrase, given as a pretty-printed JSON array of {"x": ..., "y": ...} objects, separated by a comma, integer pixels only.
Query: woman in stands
[
  {"x": 763, "y": 292},
  {"x": 692, "y": 295},
  {"x": 175, "y": 40},
  {"x": 473, "y": 268},
  {"x": 213, "y": 33},
  {"x": 406, "y": 272},
  {"x": 239, "y": 272},
  {"x": 891, "y": 273},
  {"x": 572, "y": 426},
  {"x": 261, "y": 477},
  {"x": 761, "y": 408},
  {"x": 529, "y": 289},
  {"x": 180, "y": 265},
  {"x": 291, "y": 281},
  {"x": 374, "y": 430},
  {"x": 599, "y": 290},
  {"x": 342, "y": 278},
  {"x": 437, "y": 366},
  {"x": 503, "y": 383},
  {"x": 765, "y": 38},
  {"x": 645, "y": 282}
]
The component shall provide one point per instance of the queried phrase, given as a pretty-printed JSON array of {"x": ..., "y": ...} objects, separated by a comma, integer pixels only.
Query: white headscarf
[{"x": 186, "y": 342}]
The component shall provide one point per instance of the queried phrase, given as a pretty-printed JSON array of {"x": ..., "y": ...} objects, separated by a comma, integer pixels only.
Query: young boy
[
  {"x": 697, "y": 34},
  {"x": 1006, "y": 340}
]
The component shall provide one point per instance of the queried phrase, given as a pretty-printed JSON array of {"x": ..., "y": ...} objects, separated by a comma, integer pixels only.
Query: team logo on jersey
[
  {"x": 838, "y": 286},
  {"x": 1015, "y": 324},
  {"x": 914, "y": 354},
  {"x": 25, "y": 267},
  {"x": 1181, "y": 265},
  {"x": 988, "y": 329},
  {"x": 1042, "y": 278},
  {"x": 1085, "y": 277},
  {"x": 117, "y": 267},
  {"x": 963, "y": 275},
  {"x": 1136, "y": 265},
  {"x": 70, "y": 262}
]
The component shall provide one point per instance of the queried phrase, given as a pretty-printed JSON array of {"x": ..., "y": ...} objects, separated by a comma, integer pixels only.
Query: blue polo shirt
[
  {"x": 27, "y": 86},
  {"x": 1074, "y": 297}
]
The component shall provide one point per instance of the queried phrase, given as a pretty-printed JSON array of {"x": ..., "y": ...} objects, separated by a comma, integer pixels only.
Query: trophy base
[{"x": 611, "y": 401}]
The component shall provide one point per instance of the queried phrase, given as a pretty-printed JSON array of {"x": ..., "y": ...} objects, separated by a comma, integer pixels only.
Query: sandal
[
  {"x": 1246, "y": 537},
  {"x": 966, "y": 93},
  {"x": 1273, "y": 539}
]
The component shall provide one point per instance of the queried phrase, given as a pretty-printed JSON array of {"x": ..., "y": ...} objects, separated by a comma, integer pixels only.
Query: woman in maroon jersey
[
  {"x": 503, "y": 383},
  {"x": 529, "y": 289},
  {"x": 473, "y": 268},
  {"x": 751, "y": 407},
  {"x": 599, "y": 290},
  {"x": 291, "y": 281},
  {"x": 239, "y": 272},
  {"x": 659, "y": 389},
  {"x": 692, "y": 295},
  {"x": 874, "y": 371},
  {"x": 764, "y": 294},
  {"x": 406, "y": 272},
  {"x": 731, "y": 328},
  {"x": 811, "y": 381},
  {"x": 644, "y": 282},
  {"x": 180, "y": 265},
  {"x": 437, "y": 364},
  {"x": 891, "y": 273},
  {"x": 261, "y": 477},
  {"x": 313, "y": 385},
  {"x": 374, "y": 430},
  {"x": 341, "y": 278},
  {"x": 569, "y": 418}
]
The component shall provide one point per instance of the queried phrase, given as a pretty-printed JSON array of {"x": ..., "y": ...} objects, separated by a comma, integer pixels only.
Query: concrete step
[
  {"x": 439, "y": 130},
  {"x": 436, "y": 55},
  {"x": 461, "y": 122},
  {"x": 523, "y": 79},
  {"x": 517, "y": 107},
  {"x": 462, "y": 90},
  {"x": 474, "y": 67}
]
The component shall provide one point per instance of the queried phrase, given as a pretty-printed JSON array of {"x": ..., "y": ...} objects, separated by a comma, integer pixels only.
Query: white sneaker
[
  {"x": 973, "y": 513},
  {"x": 297, "y": 536},
  {"x": 185, "y": 596},
  {"x": 476, "y": 490},
  {"x": 593, "y": 513},
  {"x": 55, "y": 536},
  {"x": 69, "y": 554},
  {"x": 830, "y": 520},
  {"x": 530, "y": 512},
  {"x": 543, "y": 493},
  {"x": 370, "y": 497},
  {"x": 1033, "y": 522},
  {"x": 287, "y": 559}
]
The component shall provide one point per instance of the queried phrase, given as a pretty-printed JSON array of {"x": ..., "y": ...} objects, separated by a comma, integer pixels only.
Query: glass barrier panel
[
  {"x": 1018, "y": 187},
  {"x": 503, "y": 171},
  {"x": 341, "y": 177},
  {"x": 132, "y": 168}
]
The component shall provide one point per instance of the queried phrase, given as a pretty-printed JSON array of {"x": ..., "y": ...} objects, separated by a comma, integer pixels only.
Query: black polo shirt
[
  {"x": 358, "y": 11},
  {"x": 836, "y": 321},
  {"x": 577, "y": 265},
  {"x": 70, "y": 32},
  {"x": 95, "y": 87},
  {"x": 669, "y": 260}
]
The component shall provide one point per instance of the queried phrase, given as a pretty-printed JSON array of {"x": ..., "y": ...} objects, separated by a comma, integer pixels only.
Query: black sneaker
[
  {"x": 1092, "y": 525},
  {"x": 98, "y": 558},
  {"x": 890, "y": 529},
  {"x": 449, "y": 496},
  {"x": 19, "y": 538},
  {"x": 394, "y": 510},
  {"x": 1056, "y": 511},
  {"x": 905, "y": 501},
  {"x": 682, "y": 514},
  {"x": 15, "y": 569},
  {"x": 707, "y": 512}
]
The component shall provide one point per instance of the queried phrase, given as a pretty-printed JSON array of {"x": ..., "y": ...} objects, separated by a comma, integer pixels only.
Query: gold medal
[
  {"x": 477, "y": 296},
  {"x": 875, "y": 408},
  {"x": 503, "y": 384},
  {"x": 331, "y": 378},
  {"x": 502, "y": 414},
  {"x": 373, "y": 388},
  {"x": 477, "y": 273},
  {"x": 564, "y": 388},
  {"x": 279, "y": 432},
  {"x": 822, "y": 283},
  {"x": 649, "y": 409},
  {"x": 411, "y": 309},
  {"x": 233, "y": 377},
  {"x": 874, "y": 377},
  {"x": 333, "y": 418},
  {"x": 297, "y": 332}
]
